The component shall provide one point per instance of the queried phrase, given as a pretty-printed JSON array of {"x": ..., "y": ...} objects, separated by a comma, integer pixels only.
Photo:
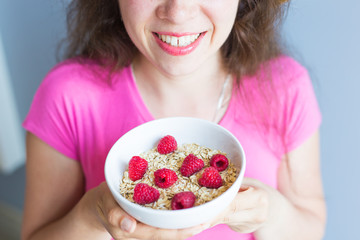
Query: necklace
[{"x": 222, "y": 102}]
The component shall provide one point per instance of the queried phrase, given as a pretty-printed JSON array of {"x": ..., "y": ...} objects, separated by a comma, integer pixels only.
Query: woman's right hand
[
  {"x": 120, "y": 225},
  {"x": 57, "y": 208}
]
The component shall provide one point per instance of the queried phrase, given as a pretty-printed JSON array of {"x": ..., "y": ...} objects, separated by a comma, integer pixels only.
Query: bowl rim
[{"x": 169, "y": 212}]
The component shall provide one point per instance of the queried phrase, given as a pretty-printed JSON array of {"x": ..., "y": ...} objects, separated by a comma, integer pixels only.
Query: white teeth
[
  {"x": 168, "y": 39},
  {"x": 181, "y": 41},
  {"x": 178, "y": 41},
  {"x": 174, "y": 41}
]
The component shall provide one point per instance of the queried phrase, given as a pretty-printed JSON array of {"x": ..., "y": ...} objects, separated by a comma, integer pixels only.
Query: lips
[{"x": 178, "y": 44}]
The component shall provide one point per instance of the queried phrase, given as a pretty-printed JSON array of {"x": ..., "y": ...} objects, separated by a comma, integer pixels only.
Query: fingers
[
  {"x": 251, "y": 182},
  {"x": 127, "y": 224},
  {"x": 246, "y": 213},
  {"x": 118, "y": 218},
  {"x": 144, "y": 231},
  {"x": 247, "y": 182},
  {"x": 116, "y": 221},
  {"x": 243, "y": 188},
  {"x": 249, "y": 210},
  {"x": 122, "y": 226}
]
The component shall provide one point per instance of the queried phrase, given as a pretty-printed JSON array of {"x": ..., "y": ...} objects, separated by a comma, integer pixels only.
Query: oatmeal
[{"x": 174, "y": 161}]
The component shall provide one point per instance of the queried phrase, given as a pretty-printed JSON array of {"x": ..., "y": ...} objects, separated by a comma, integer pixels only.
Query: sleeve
[
  {"x": 51, "y": 116},
  {"x": 302, "y": 112}
]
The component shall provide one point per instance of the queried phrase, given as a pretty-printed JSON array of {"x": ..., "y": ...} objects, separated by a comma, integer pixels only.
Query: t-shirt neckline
[{"x": 148, "y": 116}]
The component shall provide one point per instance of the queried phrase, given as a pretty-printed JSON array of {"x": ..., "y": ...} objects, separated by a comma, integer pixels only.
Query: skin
[
  {"x": 296, "y": 210},
  {"x": 163, "y": 80},
  {"x": 214, "y": 17}
]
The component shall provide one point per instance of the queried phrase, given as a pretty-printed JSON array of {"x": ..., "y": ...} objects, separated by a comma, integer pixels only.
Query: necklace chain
[
  {"x": 220, "y": 102},
  {"x": 221, "y": 97}
]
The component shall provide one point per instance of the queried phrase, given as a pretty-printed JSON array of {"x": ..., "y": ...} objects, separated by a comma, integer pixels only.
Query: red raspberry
[
  {"x": 167, "y": 145},
  {"x": 191, "y": 165},
  {"x": 219, "y": 161},
  {"x": 183, "y": 200},
  {"x": 144, "y": 194},
  {"x": 165, "y": 178},
  {"x": 137, "y": 168},
  {"x": 210, "y": 178}
]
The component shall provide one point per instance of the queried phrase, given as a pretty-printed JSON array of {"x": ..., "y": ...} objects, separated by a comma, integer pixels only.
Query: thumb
[
  {"x": 248, "y": 183},
  {"x": 127, "y": 223},
  {"x": 116, "y": 216}
]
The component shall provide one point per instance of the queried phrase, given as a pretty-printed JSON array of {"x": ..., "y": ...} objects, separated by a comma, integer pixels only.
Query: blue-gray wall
[
  {"x": 327, "y": 36},
  {"x": 323, "y": 35},
  {"x": 30, "y": 31}
]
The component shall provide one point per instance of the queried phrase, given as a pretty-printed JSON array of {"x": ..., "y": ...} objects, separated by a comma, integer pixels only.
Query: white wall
[{"x": 12, "y": 147}]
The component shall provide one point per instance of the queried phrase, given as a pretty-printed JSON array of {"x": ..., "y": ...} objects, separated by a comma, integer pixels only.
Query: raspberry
[
  {"x": 191, "y": 165},
  {"x": 167, "y": 145},
  {"x": 144, "y": 194},
  {"x": 164, "y": 177},
  {"x": 137, "y": 168},
  {"x": 210, "y": 178},
  {"x": 219, "y": 161},
  {"x": 183, "y": 200}
]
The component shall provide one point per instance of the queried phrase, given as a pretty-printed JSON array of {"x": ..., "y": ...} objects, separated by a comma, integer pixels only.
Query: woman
[{"x": 130, "y": 62}]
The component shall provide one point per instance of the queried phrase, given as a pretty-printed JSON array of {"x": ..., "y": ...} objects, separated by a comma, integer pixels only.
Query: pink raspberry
[
  {"x": 219, "y": 161},
  {"x": 210, "y": 178},
  {"x": 144, "y": 194},
  {"x": 191, "y": 165},
  {"x": 165, "y": 178},
  {"x": 137, "y": 168},
  {"x": 183, "y": 200},
  {"x": 167, "y": 145}
]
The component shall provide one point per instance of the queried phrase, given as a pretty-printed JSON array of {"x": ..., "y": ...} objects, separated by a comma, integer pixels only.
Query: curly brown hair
[{"x": 96, "y": 31}]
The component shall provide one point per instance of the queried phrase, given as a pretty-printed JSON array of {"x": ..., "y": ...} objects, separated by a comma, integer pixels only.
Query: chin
[
  {"x": 181, "y": 71},
  {"x": 178, "y": 69}
]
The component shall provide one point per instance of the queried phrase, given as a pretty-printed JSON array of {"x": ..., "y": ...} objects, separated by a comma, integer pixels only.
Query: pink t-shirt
[{"x": 80, "y": 111}]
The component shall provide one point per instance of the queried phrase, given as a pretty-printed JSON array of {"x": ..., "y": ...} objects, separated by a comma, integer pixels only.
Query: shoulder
[
  {"x": 277, "y": 76},
  {"x": 285, "y": 61},
  {"x": 76, "y": 77},
  {"x": 74, "y": 73},
  {"x": 286, "y": 71}
]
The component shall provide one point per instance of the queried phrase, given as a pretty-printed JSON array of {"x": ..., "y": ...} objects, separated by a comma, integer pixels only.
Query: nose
[{"x": 176, "y": 11}]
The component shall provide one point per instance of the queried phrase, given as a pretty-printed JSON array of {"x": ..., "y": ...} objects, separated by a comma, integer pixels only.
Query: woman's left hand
[
  {"x": 297, "y": 201},
  {"x": 250, "y": 209}
]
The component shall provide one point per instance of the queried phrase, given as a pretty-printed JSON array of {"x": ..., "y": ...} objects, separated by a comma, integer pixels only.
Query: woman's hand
[
  {"x": 250, "y": 209},
  {"x": 122, "y": 226},
  {"x": 295, "y": 210}
]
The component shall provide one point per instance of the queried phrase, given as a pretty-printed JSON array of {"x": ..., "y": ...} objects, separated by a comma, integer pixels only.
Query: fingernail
[
  {"x": 243, "y": 188},
  {"x": 126, "y": 224}
]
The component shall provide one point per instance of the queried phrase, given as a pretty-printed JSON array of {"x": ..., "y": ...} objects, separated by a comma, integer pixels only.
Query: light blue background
[
  {"x": 322, "y": 35},
  {"x": 327, "y": 35}
]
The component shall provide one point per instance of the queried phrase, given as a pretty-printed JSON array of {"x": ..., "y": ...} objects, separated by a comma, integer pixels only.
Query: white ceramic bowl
[{"x": 185, "y": 130}]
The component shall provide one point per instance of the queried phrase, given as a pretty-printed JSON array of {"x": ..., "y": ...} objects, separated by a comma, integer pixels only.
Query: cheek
[
  {"x": 221, "y": 8},
  {"x": 222, "y": 14},
  {"x": 135, "y": 15},
  {"x": 136, "y": 11},
  {"x": 222, "y": 29}
]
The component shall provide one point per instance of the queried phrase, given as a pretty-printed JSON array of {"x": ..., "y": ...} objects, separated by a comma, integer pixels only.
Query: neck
[{"x": 194, "y": 94}]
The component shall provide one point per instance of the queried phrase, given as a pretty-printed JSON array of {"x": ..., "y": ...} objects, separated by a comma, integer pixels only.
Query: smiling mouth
[{"x": 181, "y": 41}]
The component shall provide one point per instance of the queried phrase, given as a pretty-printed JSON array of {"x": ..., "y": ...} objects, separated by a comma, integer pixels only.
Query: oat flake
[{"x": 174, "y": 161}]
